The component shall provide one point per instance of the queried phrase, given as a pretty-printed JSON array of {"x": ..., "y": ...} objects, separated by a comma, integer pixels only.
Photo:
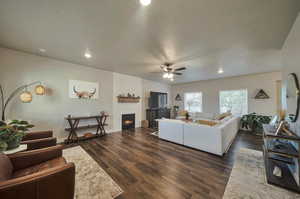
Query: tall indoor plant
[{"x": 11, "y": 133}]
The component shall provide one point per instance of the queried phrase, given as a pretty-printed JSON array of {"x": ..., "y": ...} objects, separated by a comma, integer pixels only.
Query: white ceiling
[{"x": 241, "y": 36}]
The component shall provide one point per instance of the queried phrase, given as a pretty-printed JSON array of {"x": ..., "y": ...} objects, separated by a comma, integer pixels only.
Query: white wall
[
  {"x": 48, "y": 112},
  {"x": 124, "y": 84},
  {"x": 253, "y": 83},
  {"x": 291, "y": 60}
]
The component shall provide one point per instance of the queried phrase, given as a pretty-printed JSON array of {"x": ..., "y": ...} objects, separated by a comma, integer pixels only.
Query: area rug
[
  {"x": 91, "y": 181},
  {"x": 247, "y": 179}
]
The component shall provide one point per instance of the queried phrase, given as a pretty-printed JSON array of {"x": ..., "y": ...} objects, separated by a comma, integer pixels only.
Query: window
[
  {"x": 193, "y": 102},
  {"x": 235, "y": 101}
]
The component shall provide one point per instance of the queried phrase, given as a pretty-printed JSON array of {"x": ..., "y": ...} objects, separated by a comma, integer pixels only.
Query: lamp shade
[
  {"x": 26, "y": 97},
  {"x": 40, "y": 90}
]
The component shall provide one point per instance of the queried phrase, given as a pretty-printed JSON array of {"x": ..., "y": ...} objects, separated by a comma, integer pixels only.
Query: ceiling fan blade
[
  {"x": 177, "y": 73},
  {"x": 179, "y": 69}
]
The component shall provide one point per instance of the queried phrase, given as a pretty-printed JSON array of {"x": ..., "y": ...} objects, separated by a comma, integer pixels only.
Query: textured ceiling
[{"x": 241, "y": 36}]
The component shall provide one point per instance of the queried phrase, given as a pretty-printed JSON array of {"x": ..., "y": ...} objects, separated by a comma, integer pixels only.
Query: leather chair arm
[
  {"x": 37, "y": 135},
  {"x": 29, "y": 158},
  {"x": 39, "y": 143},
  {"x": 57, "y": 182}
]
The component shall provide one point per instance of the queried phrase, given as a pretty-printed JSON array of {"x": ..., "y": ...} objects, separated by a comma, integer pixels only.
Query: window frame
[
  {"x": 184, "y": 102},
  {"x": 242, "y": 89}
]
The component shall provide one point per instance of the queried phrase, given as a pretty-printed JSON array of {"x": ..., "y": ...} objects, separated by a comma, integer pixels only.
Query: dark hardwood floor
[{"x": 146, "y": 167}]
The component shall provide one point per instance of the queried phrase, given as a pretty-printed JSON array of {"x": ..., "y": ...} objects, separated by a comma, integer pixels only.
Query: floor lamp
[{"x": 26, "y": 96}]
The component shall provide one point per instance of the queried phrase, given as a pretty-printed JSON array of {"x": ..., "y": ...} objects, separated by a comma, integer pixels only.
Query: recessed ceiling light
[
  {"x": 145, "y": 2},
  {"x": 220, "y": 71},
  {"x": 87, "y": 55},
  {"x": 42, "y": 50}
]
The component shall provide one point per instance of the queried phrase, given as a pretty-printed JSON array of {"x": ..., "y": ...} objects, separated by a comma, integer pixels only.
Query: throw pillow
[
  {"x": 206, "y": 122},
  {"x": 223, "y": 115}
]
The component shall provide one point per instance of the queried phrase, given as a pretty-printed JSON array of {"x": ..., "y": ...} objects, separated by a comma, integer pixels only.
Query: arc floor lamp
[{"x": 25, "y": 96}]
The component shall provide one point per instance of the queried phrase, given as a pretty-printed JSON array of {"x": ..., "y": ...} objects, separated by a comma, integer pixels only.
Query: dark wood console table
[
  {"x": 282, "y": 151},
  {"x": 74, "y": 126}
]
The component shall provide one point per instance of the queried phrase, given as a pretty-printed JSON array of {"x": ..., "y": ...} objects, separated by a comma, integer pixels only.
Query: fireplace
[{"x": 128, "y": 121}]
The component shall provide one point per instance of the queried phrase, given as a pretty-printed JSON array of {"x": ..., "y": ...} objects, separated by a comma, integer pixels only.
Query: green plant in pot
[
  {"x": 254, "y": 122},
  {"x": 11, "y": 133}
]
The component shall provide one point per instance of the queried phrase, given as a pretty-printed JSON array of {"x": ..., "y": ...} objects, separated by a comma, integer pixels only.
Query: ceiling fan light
[
  {"x": 220, "y": 71},
  {"x": 166, "y": 75},
  {"x": 145, "y": 2},
  {"x": 171, "y": 75}
]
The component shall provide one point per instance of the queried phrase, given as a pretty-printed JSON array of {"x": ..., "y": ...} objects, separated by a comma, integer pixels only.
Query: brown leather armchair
[
  {"x": 38, "y": 140},
  {"x": 37, "y": 174}
]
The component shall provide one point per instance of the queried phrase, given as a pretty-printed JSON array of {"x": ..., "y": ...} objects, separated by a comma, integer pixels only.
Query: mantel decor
[
  {"x": 25, "y": 97},
  {"x": 130, "y": 98}
]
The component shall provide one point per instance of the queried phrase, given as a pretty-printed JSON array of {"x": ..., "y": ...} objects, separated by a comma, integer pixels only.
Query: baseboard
[{"x": 113, "y": 130}]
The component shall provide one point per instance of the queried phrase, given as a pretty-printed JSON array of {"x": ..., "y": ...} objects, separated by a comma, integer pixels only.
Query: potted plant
[
  {"x": 11, "y": 133},
  {"x": 254, "y": 122}
]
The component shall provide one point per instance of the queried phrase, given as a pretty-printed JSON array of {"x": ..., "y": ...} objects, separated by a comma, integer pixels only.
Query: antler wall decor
[{"x": 84, "y": 94}]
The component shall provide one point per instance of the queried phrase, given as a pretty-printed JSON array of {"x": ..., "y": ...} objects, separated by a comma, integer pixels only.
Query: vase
[{"x": 14, "y": 143}]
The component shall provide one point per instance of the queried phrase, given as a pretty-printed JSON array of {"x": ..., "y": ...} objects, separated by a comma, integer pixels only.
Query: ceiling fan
[{"x": 169, "y": 72}]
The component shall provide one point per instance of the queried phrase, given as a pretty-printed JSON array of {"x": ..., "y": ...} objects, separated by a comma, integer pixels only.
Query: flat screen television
[{"x": 158, "y": 100}]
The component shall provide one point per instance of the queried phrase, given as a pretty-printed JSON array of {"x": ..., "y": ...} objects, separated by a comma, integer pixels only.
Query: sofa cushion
[
  {"x": 39, "y": 167},
  {"x": 6, "y": 167},
  {"x": 207, "y": 122},
  {"x": 200, "y": 115},
  {"x": 223, "y": 115}
]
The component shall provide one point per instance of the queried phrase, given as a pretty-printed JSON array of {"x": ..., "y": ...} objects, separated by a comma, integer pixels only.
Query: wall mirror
[{"x": 293, "y": 97}]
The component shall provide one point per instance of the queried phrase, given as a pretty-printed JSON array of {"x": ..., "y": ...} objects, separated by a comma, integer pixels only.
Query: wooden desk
[{"x": 74, "y": 126}]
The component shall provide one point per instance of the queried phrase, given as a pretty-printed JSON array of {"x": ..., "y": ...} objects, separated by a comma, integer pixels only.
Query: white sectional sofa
[{"x": 213, "y": 139}]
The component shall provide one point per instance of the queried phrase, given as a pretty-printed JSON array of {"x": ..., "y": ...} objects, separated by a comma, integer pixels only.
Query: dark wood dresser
[{"x": 153, "y": 114}]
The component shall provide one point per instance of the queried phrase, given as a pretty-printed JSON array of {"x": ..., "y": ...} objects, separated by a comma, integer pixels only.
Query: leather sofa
[
  {"x": 37, "y": 174},
  {"x": 38, "y": 140}
]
